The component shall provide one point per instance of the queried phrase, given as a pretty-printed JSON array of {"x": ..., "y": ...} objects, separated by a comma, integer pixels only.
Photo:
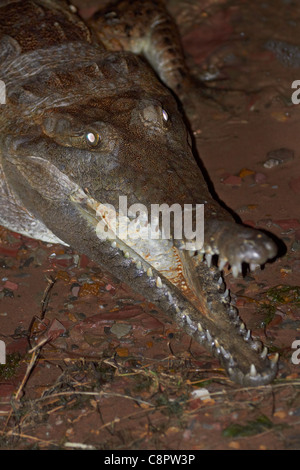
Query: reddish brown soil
[{"x": 114, "y": 373}]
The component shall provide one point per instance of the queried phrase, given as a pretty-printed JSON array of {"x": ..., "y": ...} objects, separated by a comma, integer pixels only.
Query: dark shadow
[{"x": 282, "y": 249}]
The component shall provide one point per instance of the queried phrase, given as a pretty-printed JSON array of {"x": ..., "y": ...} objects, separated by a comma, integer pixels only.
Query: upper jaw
[{"x": 174, "y": 260}]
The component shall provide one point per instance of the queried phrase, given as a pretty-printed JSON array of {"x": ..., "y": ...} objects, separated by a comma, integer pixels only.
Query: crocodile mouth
[
  {"x": 183, "y": 285},
  {"x": 144, "y": 243},
  {"x": 197, "y": 296}
]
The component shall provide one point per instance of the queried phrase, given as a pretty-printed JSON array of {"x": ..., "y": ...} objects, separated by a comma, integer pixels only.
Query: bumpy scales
[{"x": 87, "y": 120}]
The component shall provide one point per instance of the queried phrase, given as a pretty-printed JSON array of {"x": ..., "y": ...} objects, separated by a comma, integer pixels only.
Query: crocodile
[{"x": 92, "y": 114}]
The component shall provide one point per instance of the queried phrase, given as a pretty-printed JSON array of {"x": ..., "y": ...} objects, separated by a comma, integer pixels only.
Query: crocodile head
[{"x": 76, "y": 139}]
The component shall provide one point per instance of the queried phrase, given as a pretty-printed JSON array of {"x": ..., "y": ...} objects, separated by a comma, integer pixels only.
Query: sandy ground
[{"x": 114, "y": 373}]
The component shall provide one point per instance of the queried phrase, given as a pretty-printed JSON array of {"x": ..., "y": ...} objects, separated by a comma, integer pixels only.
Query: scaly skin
[{"x": 86, "y": 122}]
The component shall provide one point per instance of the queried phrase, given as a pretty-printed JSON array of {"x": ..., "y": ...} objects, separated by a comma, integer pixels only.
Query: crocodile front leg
[{"x": 147, "y": 29}]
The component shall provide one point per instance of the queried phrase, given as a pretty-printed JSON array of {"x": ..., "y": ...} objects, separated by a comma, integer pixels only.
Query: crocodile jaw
[
  {"x": 203, "y": 309},
  {"x": 191, "y": 293}
]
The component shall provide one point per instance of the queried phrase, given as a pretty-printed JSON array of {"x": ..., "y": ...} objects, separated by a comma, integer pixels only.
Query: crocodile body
[{"x": 86, "y": 121}]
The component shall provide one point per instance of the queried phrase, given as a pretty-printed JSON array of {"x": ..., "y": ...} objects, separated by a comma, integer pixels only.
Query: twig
[
  {"x": 79, "y": 445},
  {"x": 26, "y": 436},
  {"x": 96, "y": 394},
  {"x": 27, "y": 373},
  {"x": 46, "y": 296}
]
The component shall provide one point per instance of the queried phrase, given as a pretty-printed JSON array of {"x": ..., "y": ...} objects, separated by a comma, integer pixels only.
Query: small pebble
[
  {"x": 260, "y": 178},
  {"x": 201, "y": 393},
  {"x": 282, "y": 154},
  {"x": 295, "y": 246},
  {"x": 288, "y": 224},
  {"x": 75, "y": 291},
  {"x": 120, "y": 329},
  {"x": 10, "y": 285},
  {"x": 245, "y": 172},
  {"x": 278, "y": 157},
  {"x": 233, "y": 180},
  {"x": 271, "y": 163}
]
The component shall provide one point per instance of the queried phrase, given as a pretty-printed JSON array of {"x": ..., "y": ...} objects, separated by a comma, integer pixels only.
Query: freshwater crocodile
[{"x": 88, "y": 120}]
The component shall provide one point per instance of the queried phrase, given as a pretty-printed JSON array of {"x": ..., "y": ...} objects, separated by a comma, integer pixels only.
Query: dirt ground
[{"x": 113, "y": 372}]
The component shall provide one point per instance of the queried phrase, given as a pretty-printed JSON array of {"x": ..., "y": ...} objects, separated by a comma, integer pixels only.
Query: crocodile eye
[
  {"x": 165, "y": 115},
  {"x": 92, "y": 139}
]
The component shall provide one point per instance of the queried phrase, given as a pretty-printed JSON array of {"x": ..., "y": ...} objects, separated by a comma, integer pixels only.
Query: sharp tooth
[
  {"x": 114, "y": 244},
  {"x": 242, "y": 326},
  {"x": 200, "y": 328},
  {"x": 217, "y": 344},
  {"x": 225, "y": 295},
  {"x": 159, "y": 283},
  {"x": 208, "y": 335},
  {"x": 253, "y": 372},
  {"x": 232, "y": 312},
  {"x": 220, "y": 280},
  {"x": 126, "y": 254},
  {"x": 208, "y": 258},
  {"x": 230, "y": 359},
  {"x": 225, "y": 353},
  {"x": 149, "y": 272},
  {"x": 253, "y": 266},
  {"x": 274, "y": 359},
  {"x": 235, "y": 270},
  {"x": 222, "y": 262},
  {"x": 264, "y": 353},
  {"x": 248, "y": 335},
  {"x": 139, "y": 265}
]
